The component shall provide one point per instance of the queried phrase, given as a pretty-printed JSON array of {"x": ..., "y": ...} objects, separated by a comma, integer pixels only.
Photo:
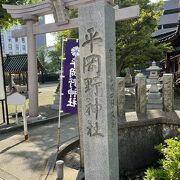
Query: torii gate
[
  {"x": 97, "y": 74},
  {"x": 30, "y": 14}
]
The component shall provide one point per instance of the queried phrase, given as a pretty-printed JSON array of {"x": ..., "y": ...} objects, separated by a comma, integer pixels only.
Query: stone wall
[{"x": 137, "y": 140}]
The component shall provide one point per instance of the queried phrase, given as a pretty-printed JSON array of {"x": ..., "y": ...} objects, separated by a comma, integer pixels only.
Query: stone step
[
  {"x": 154, "y": 101},
  {"x": 154, "y": 96},
  {"x": 154, "y": 106}
]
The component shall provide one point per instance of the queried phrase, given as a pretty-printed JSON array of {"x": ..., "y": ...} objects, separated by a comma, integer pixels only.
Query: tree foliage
[
  {"x": 170, "y": 164},
  {"x": 56, "y": 55},
  {"x": 5, "y": 19},
  {"x": 42, "y": 55},
  {"x": 134, "y": 44}
]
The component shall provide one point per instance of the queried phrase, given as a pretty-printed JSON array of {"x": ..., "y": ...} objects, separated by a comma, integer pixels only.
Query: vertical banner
[
  {"x": 2, "y": 93},
  {"x": 69, "y": 91}
]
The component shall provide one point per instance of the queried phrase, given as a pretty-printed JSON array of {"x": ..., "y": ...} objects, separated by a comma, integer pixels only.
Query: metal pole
[
  {"x": 26, "y": 136},
  {"x": 60, "y": 94},
  {"x": 60, "y": 169},
  {"x": 1, "y": 52}
]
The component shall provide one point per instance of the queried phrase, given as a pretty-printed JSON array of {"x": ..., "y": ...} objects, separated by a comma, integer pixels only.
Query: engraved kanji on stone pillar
[{"x": 99, "y": 108}]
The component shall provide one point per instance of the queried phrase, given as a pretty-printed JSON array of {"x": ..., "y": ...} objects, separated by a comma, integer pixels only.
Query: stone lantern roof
[{"x": 153, "y": 67}]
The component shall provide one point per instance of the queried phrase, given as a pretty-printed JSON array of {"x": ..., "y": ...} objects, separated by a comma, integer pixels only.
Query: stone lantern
[{"x": 154, "y": 96}]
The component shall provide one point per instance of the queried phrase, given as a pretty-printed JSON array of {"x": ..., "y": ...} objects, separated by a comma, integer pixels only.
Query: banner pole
[{"x": 60, "y": 93}]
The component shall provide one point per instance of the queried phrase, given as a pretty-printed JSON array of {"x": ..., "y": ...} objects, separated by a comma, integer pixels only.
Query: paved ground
[
  {"x": 46, "y": 97},
  {"x": 22, "y": 160},
  {"x": 25, "y": 160}
]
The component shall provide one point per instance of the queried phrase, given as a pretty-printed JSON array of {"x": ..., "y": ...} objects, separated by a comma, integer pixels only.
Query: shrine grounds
[{"x": 47, "y": 96}]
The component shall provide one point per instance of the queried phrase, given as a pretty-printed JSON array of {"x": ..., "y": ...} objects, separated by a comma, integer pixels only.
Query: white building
[{"x": 12, "y": 45}]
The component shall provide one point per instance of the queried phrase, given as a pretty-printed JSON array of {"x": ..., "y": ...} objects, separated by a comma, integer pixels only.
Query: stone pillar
[
  {"x": 120, "y": 99},
  {"x": 32, "y": 68},
  {"x": 98, "y": 82},
  {"x": 168, "y": 92},
  {"x": 141, "y": 99},
  {"x": 80, "y": 123}
]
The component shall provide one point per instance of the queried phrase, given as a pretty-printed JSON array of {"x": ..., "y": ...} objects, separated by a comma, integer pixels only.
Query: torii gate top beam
[
  {"x": 18, "y": 11},
  {"x": 43, "y": 8},
  {"x": 58, "y": 8}
]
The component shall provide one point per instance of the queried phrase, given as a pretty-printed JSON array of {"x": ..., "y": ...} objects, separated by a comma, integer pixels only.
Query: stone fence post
[
  {"x": 168, "y": 92},
  {"x": 140, "y": 99},
  {"x": 120, "y": 85},
  {"x": 98, "y": 83}
]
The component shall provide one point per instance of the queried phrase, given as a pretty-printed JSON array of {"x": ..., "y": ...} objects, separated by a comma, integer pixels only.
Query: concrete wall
[{"x": 137, "y": 140}]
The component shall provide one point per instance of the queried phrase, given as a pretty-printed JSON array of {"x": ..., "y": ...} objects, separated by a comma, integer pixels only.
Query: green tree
[
  {"x": 56, "y": 55},
  {"x": 42, "y": 55},
  {"x": 134, "y": 44},
  {"x": 170, "y": 165},
  {"x": 54, "y": 64},
  {"x": 5, "y": 19}
]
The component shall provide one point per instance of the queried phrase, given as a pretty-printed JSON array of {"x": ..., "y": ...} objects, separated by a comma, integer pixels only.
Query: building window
[
  {"x": 173, "y": 25},
  {"x": 172, "y": 11},
  {"x": 16, "y": 39},
  {"x": 159, "y": 27},
  {"x": 10, "y": 53},
  {"x": 17, "y": 52},
  {"x": 17, "y": 47},
  {"x": 10, "y": 46},
  {"x": 23, "y": 40},
  {"x": 9, "y": 39},
  {"x": 23, "y": 47}
]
